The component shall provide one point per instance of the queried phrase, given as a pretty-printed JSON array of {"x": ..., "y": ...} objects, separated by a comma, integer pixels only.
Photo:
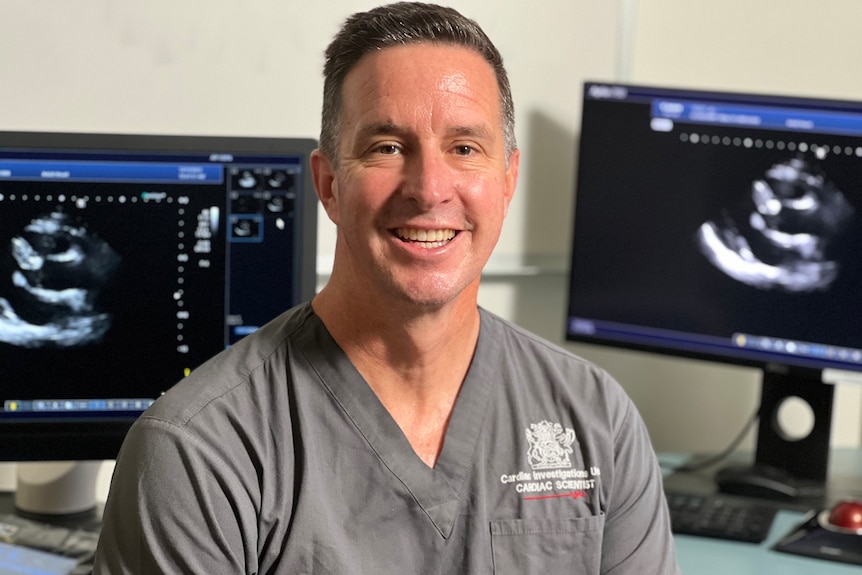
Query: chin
[{"x": 432, "y": 293}]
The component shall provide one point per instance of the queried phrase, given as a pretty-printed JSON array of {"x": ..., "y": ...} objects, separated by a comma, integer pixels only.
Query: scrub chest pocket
[{"x": 528, "y": 546}]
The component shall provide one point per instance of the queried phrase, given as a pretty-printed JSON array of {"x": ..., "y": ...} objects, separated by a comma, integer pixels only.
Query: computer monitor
[
  {"x": 725, "y": 227},
  {"x": 128, "y": 260}
]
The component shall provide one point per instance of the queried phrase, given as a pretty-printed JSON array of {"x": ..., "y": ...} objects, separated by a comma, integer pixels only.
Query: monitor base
[{"x": 56, "y": 488}]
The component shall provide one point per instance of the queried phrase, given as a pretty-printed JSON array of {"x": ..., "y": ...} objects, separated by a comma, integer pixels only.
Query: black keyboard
[{"x": 719, "y": 516}]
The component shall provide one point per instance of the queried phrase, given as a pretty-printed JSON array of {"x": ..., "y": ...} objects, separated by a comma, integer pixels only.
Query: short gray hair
[{"x": 402, "y": 24}]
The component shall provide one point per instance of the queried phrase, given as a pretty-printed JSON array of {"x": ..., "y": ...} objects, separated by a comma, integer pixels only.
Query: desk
[{"x": 705, "y": 556}]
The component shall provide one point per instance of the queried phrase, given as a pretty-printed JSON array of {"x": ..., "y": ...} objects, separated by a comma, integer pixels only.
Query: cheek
[
  {"x": 490, "y": 197},
  {"x": 369, "y": 192},
  {"x": 353, "y": 203}
]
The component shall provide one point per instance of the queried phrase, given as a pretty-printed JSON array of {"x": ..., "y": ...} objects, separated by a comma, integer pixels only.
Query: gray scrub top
[{"x": 276, "y": 457}]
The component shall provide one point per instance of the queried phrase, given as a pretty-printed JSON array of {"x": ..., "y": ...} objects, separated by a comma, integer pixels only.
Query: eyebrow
[
  {"x": 381, "y": 128},
  {"x": 479, "y": 131},
  {"x": 390, "y": 128}
]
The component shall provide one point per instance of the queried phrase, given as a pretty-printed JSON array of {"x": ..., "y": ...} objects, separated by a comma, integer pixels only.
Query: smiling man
[
  {"x": 418, "y": 186},
  {"x": 391, "y": 425}
]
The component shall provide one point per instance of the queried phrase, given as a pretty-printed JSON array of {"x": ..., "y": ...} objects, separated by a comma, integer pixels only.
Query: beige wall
[{"x": 795, "y": 47}]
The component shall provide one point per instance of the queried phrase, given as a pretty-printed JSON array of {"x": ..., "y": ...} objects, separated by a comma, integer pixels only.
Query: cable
[{"x": 699, "y": 464}]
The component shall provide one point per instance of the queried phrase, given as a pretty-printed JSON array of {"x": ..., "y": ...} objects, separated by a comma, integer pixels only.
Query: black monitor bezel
[
  {"x": 77, "y": 439},
  {"x": 806, "y": 368}
]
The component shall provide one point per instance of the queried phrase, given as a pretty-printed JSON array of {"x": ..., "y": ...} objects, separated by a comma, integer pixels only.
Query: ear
[
  {"x": 511, "y": 179},
  {"x": 325, "y": 184}
]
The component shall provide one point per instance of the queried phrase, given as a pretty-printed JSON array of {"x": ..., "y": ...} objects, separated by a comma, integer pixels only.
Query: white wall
[{"x": 253, "y": 68}]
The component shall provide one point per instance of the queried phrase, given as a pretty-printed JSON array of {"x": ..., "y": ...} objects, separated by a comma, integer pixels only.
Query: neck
[
  {"x": 414, "y": 349},
  {"x": 415, "y": 360}
]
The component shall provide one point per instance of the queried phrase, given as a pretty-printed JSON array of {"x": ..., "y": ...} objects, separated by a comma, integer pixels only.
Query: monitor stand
[
  {"x": 49, "y": 489},
  {"x": 786, "y": 467}
]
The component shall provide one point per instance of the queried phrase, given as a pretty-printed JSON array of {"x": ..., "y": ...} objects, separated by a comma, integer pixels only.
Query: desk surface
[{"x": 705, "y": 556}]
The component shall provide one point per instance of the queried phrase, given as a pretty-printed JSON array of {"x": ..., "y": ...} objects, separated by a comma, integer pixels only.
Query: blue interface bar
[
  {"x": 794, "y": 119},
  {"x": 111, "y": 172},
  {"x": 70, "y": 405},
  {"x": 740, "y": 345}
]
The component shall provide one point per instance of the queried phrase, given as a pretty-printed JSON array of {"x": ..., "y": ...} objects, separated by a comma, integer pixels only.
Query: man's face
[{"x": 422, "y": 184}]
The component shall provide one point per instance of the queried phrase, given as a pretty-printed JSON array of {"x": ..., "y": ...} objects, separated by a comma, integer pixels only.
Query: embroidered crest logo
[{"x": 550, "y": 445}]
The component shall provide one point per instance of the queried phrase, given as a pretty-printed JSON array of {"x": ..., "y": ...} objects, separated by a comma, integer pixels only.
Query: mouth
[{"x": 425, "y": 238}]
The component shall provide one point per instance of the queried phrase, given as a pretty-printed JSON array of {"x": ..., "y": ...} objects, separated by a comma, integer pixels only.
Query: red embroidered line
[{"x": 573, "y": 495}]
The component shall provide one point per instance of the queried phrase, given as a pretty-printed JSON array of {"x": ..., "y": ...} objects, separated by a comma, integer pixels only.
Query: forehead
[{"x": 422, "y": 81}]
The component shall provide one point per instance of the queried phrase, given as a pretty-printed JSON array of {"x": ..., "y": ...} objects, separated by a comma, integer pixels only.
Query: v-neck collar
[{"x": 437, "y": 490}]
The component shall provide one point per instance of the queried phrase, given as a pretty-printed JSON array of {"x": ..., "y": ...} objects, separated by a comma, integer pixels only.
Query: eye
[
  {"x": 464, "y": 150},
  {"x": 387, "y": 149}
]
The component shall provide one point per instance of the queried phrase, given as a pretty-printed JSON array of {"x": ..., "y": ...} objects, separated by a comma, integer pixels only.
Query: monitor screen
[
  {"x": 716, "y": 225},
  {"x": 726, "y": 227},
  {"x": 125, "y": 262}
]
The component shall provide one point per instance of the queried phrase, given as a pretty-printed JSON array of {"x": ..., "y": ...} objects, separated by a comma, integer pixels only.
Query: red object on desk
[{"x": 847, "y": 515}]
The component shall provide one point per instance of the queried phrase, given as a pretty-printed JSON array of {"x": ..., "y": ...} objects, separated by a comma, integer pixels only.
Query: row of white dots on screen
[
  {"x": 77, "y": 199},
  {"x": 819, "y": 150}
]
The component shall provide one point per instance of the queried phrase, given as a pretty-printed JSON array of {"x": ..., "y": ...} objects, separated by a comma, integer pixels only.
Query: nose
[{"x": 429, "y": 180}]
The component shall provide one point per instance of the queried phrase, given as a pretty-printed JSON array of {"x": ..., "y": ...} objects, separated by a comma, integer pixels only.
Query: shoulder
[
  {"x": 226, "y": 419},
  {"x": 519, "y": 346},
  {"x": 518, "y": 338},
  {"x": 540, "y": 375},
  {"x": 237, "y": 374}
]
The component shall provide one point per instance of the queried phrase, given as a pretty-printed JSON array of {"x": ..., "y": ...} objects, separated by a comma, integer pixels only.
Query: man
[{"x": 391, "y": 426}]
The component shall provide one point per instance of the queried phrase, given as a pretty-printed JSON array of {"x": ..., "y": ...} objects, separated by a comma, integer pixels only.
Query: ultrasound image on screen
[
  {"x": 110, "y": 289},
  {"x": 49, "y": 292},
  {"x": 780, "y": 239}
]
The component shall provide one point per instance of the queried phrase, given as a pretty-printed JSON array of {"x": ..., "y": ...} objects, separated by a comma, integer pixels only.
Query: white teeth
[{"x": 427, "y": 238}]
